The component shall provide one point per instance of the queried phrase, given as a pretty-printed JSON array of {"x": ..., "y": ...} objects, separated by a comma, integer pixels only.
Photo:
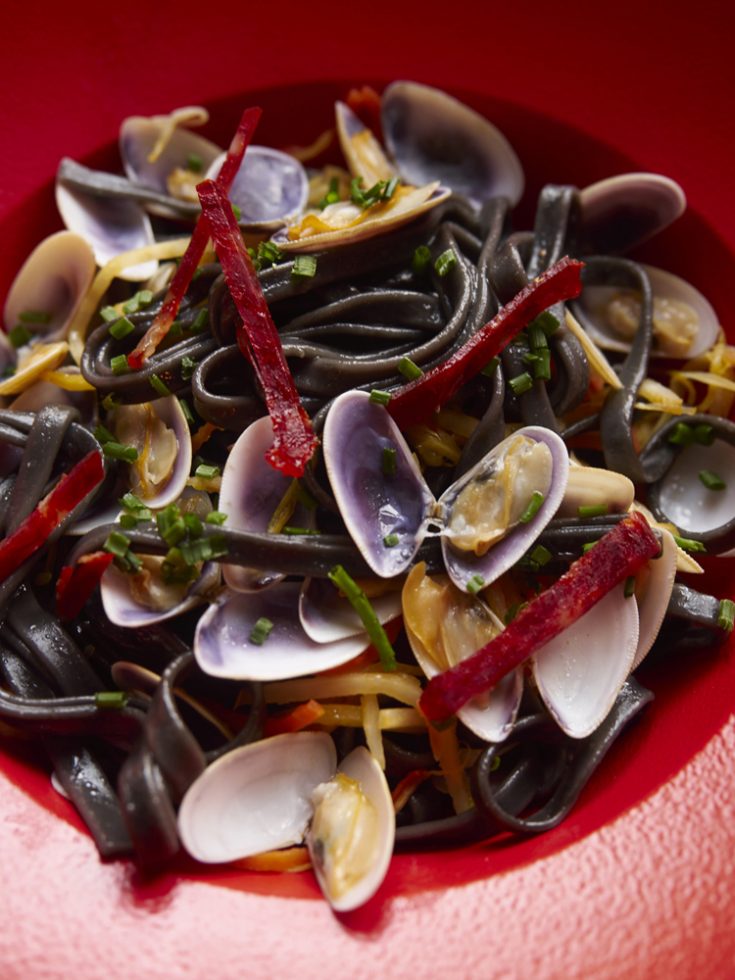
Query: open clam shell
[
  {"x": 352, "y": 832},
  {"x": 326, "y": 616},
  {"x": 250, "y": 492},
  {"x": 432, "y": 136},
  {"x": 111, "y": 226},
  {"x": 52, "y": 282},
  {"x": 620, "y": 212},
  {"x": 653, "y": 595},
  {"x": 270, "y": 188},
  {"x": 684, "y": 322},
  {"x": 363, "y": 153},
  {"x": 139, "y": 136},
  {"x": 388, "y": 513},
  {"x": 580, "y": 672},
  {"x": 256, "y": 798},
  {"x": 224, "y": 644},
  {"x": 123, "y": 608}
]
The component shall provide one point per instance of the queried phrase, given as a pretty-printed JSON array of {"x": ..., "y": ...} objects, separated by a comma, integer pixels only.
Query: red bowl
[{"x": 638, "y": 879}]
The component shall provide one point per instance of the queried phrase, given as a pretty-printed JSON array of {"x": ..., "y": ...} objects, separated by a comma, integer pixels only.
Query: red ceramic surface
[{"x": 639, "y": 880}]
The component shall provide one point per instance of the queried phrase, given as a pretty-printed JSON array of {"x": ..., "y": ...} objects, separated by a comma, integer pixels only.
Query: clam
[
  {"x": 326, "y": 616},
  {"x": 487, "y": 519},
  {"x": 444, "y": 626},
  {"x": 256, "y": 798},
  {"x": 270, "y": 188},
  {"x": 227, "y": 642},
  {"x": 48, "y": 289},
  {"x": 432, "y": 136},
  {"x": 139, "y": 600},
  {"x": 111, "y": 226},
  {"x": 684, "y": 322},
  {"x": 159, "y": 154},
  {"x": 594, "y": 486},
  {"x": 654, "y": 584},
  {"x": 697, "y": 491},
  {"x": 250, "y": 495},
  {"x": 580, "y": 672},
  {"x": 352, "y": 832},
  {"x": 621, "y": 212},
  {"x": 160, "y": 432},
  {"x": 362, "y": 151}
]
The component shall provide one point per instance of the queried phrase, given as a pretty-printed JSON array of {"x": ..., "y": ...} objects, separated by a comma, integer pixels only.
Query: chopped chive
[
  {"x": 109, "y": 313},
  {"x": 132, "y": 503},
  {"x": 215, "y": 517},
  {"x": 408, "y": 369},
  {"x": 269, "y": 252},
  {"x": 592, "y": 510},
  {"x": 103, "y": 435},
  {"x": 689, "y": 544},
  {"x": 704, "y": 434},
  {"x": 547, "y": 322},
  {"x": 109, "y": 402},
  {"x": 117, "y": 544},
  {"x": 188, "y": 414},
  {"x": 421, "y": 260},
  {"x": 299, "y": 531},
  {"x": 35, "y": 316},
  {"x": 116, "y": 450},
  {"x": 378, "y": 397},
  {"x": 332, "y": 195},
  {"x": 217, "y": 545},
  {"x": 542, "y": 365},
  {"x": 682, "y": 435},
  {"x": 175, "y": 570},
  {"x": 194, "y": 163},
  {"x": 19, "y": 336},
  {"x": 629, "y": 587},
  {"x": 206, "y": 472},
  {"x": 491, "y": 367},
  {"x": 160, "y": 387},
  {"x": 236, "y": 211},
  {"x": 261, "y": 631},
  {"x": 120, "y": 328},
  {"x": 193, "y": 524},
  {"x": 201, "y": 320},
  {"x": 188, "y": 366},
  {"x": 532, "y": 508},
  {"x": 128, "y": 521},
  {"x": 176, "y": 329},
  {"x": 119, "y": 364},
  {"x": 389, "y": 461},
  {"x": 170, "y": 525},
  {"x": 110, "y": 699},
  {"x": 540, "y": 556},
  {"x": 391, "y": 540},
  {"x": 475, "y": 584},
  {"x": 304, "y": 267},
  {"x": 726, "y": 615},
  {"x": 142, "y": 298},
  {"x": 537, "y": 336},
  {"x": 521, "y": 383},
  {"x": 586, "y": 547},
  {"x": 445, "y": 262},
  {"x": 712, "y": 480},
  {"x": 362, "y": 606}
]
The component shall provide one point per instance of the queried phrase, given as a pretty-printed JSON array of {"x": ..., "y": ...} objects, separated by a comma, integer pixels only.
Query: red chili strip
[
  {"x": 418, "y": 400},
  {"x": 76, "y": 583},
  {"x": 258, "y": 339},
  {"x": 161, "y": 325},
  {"x": 620, "y": 553},
  {"x": 31, "y": 535}
]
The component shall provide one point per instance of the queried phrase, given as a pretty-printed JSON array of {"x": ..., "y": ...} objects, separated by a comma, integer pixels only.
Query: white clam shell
[
  {"x": 270, "y": 187},
  {"x": 327, "y": 617},
  {"x": 363, "y": 768},
  {"x": 652, "y": 605},
  {"x": 53, "y": 279},
  {"x": 251, "y": 490},
  {"x": 363, "y": 153},
  {"x": 170, "y": 412},
  {"x": 622, "y": 211},
  {"x": 111, "y": 226},
  {"x": 589, "y": 310},
  {"x": 123, "y": 610},
  {"x": 580, "y": 672},
  {"x": 686, "y": 501},
  {"x": 433, "y": 136},
  {"x": 256, "y": 798},
  {"x": 223, "y": 647}
]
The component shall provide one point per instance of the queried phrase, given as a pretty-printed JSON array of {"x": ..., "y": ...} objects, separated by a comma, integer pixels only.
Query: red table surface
[{"x": 639, "y": 881}]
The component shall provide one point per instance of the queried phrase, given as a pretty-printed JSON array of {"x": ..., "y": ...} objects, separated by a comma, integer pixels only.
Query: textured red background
[{"x": 640, "y": 881}]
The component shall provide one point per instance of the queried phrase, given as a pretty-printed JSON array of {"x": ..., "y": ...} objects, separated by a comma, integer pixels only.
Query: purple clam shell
[
  {"x": 326, "y": 617},
  {"x": 269, "y": 186},
  {"x": 464, "y": 565},
  {"x": 223, "y": 647},
  {"x": 374, "y": 504}
]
